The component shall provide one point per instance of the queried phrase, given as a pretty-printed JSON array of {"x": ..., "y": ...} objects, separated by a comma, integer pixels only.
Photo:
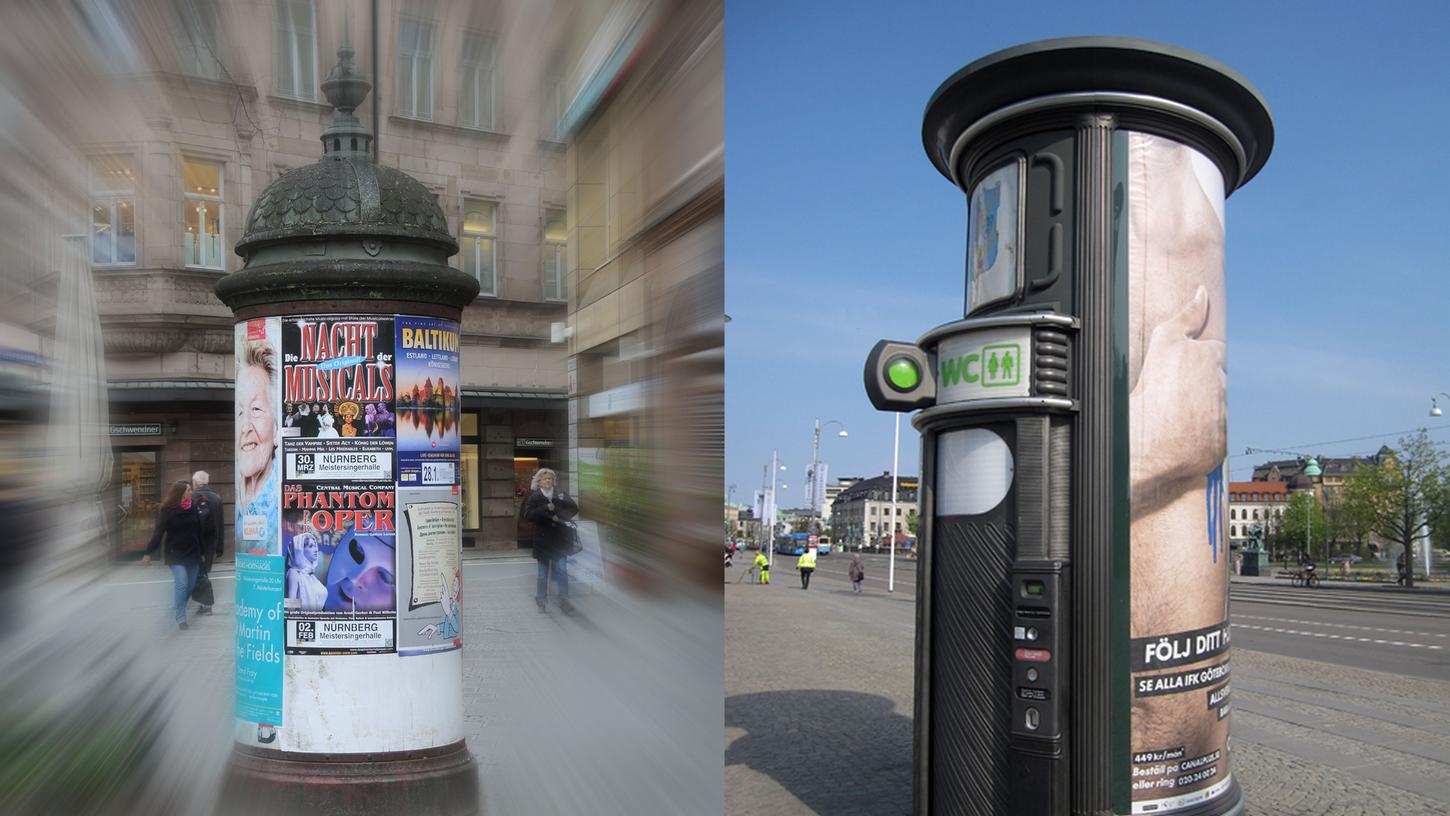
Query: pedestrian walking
[
  {"x": 178, "y": 536},
  {"x": 857, "y": 571},
  {"x": 762, "y": 564},
  {"x": 551, "y": 511},
  {"x": 1400, "y": 569},
  {"x": 209, "y": 511},
  {"x": 806, "y": 563}
]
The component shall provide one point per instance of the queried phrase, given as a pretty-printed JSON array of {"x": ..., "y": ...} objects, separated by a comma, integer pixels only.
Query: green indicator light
[{"x": 903, "y": 374}]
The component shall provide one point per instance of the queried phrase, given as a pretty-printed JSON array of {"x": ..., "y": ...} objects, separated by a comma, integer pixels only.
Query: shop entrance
[{"x": 137, "y": 497}]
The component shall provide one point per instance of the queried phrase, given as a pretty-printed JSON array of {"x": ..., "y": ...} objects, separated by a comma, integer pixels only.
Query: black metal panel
[
  {"x": 1092, "y": 541},
  {"x": 971, "y": 664}
]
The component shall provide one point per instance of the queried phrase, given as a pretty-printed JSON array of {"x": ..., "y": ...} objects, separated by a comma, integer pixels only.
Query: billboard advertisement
[
  {"x": 1177, "y": 407},
  {"x": 430, "y": 574},
  {"x": 257, "y": 476},
  {"x": 428, "y": 401}
]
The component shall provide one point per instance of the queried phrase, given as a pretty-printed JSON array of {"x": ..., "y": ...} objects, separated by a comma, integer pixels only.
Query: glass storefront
[{"x": 138, "y": 498}]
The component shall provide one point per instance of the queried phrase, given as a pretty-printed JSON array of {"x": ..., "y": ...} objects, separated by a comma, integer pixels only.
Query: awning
[{"x": 200, "y": 390}]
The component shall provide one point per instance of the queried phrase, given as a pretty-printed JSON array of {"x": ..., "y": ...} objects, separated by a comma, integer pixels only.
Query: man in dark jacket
[{"x": 209, "y": 507}]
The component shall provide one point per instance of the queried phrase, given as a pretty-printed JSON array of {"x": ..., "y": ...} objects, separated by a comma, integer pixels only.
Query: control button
[
  {"x": 1019, "y": 633},
  {"x": 1034, "y": 655},
  {"x": 1032, "y": 633},
  {"x": 1032, "y": 674},
  {"x": 1032, "y": 720}
]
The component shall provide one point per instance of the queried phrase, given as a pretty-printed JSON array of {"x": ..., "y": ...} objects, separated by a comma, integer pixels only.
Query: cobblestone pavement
[{"x": 819, "y": 701}]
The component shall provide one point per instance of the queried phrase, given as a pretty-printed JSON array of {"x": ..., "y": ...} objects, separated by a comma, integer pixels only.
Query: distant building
[
  {"x": 1254, "y": 503},
  {"x": 861, "y": 513},
  {"x": 832, "y": 491},
  {"x": 1335, "y": 469}
]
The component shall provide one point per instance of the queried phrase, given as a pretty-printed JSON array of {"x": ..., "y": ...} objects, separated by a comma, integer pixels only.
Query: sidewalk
[
  {"x": 818, "y": 717},
  {"x": 613, "y": 710}
]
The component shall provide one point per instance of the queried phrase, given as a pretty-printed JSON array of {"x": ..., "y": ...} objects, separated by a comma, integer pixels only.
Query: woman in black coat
[
  {"x": 178, "y": 528},
  {"x": 551, "y": 510}
]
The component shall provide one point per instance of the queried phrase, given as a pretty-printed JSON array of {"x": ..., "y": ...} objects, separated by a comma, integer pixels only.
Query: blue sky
[{"x": 839, "y": 232}]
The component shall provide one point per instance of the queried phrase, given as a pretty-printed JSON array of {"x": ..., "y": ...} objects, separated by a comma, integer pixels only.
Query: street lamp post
[
  {"x": 891, "y": 528},
  {"x": 816, "y": 468},
  {"x": 775, "y": 466},
  {"x": 1435, "y": 406}
]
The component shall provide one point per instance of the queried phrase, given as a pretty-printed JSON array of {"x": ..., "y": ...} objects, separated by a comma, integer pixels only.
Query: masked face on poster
[
  {"x": 1177, "y": 443},
  {"x": 360, "y": 574}
]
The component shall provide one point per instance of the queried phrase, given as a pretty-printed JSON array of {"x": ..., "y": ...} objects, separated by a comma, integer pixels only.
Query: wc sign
[{"x": 984, "y": 364}]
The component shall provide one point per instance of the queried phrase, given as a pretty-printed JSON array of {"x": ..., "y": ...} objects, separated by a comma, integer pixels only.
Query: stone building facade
[
  {"x": 195, "y": 107},
  {"x": 861, "y": 514}
]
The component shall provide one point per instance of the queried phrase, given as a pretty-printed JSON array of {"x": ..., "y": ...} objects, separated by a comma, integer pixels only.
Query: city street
[
  {"x": 1341, "y": 704},
  {"x": 609, "y": 711}
]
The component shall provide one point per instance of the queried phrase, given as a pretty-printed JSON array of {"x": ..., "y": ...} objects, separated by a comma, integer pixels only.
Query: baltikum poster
[{"x": 428, "y": 401}]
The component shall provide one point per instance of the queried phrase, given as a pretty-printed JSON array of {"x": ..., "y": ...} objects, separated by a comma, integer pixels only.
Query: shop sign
[{"x": 136, "y": 429}]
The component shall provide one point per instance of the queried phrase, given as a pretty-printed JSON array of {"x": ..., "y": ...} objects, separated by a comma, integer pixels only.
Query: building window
[
  {"x": 476, "y": 104},
  {"x": 201, "y": 243},
  {"x": 1278, "y": 512},
  {"x": 1234, "y": 531},
  {"x": 556, "y": 253},
  {"x": 294, "y": 22},
  {"x": 113, "y": 210},
  {"x": 1256, "y": 514},
  {"x": 480, "y": 243},
  {"x": 415, "y": 68},
  {"x": 197, "y": 45}
]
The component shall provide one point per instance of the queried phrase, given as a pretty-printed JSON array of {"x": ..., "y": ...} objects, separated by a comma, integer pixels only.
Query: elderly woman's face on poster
[{"x": 256, "y": 426}]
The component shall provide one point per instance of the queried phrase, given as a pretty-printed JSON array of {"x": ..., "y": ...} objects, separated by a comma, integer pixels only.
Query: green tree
[
  {"x": 1301, "y": 530},
  {"x": 1408, "y": 494},
  {"x": 912, "y": 522},
  {"x": 1352, "y": 510}
]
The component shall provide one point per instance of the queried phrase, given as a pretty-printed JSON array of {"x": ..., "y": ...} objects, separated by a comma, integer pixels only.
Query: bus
[{"x": 796, "y": 544}]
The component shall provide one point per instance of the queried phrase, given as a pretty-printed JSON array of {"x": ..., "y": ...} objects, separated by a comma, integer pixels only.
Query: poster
[
  {"x": 257, "y": 476},
  {"x": 337, "y": 372},
  {"x": 341, "y": 550},
  {"x": 1177, "y": 405},
  {"x": 994, "y": 270},
  {"x": 428, "y": 401},
  {"x": 430, "y": 570}
]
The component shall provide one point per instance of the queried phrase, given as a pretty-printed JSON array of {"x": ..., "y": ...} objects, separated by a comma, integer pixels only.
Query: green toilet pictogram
[{"x": 1003, "y": 365}]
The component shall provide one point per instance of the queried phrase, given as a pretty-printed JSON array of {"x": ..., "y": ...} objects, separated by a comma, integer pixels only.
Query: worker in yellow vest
[
  {"x": 806, "y": 563},
  {"x": 763, "y": 565}
]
